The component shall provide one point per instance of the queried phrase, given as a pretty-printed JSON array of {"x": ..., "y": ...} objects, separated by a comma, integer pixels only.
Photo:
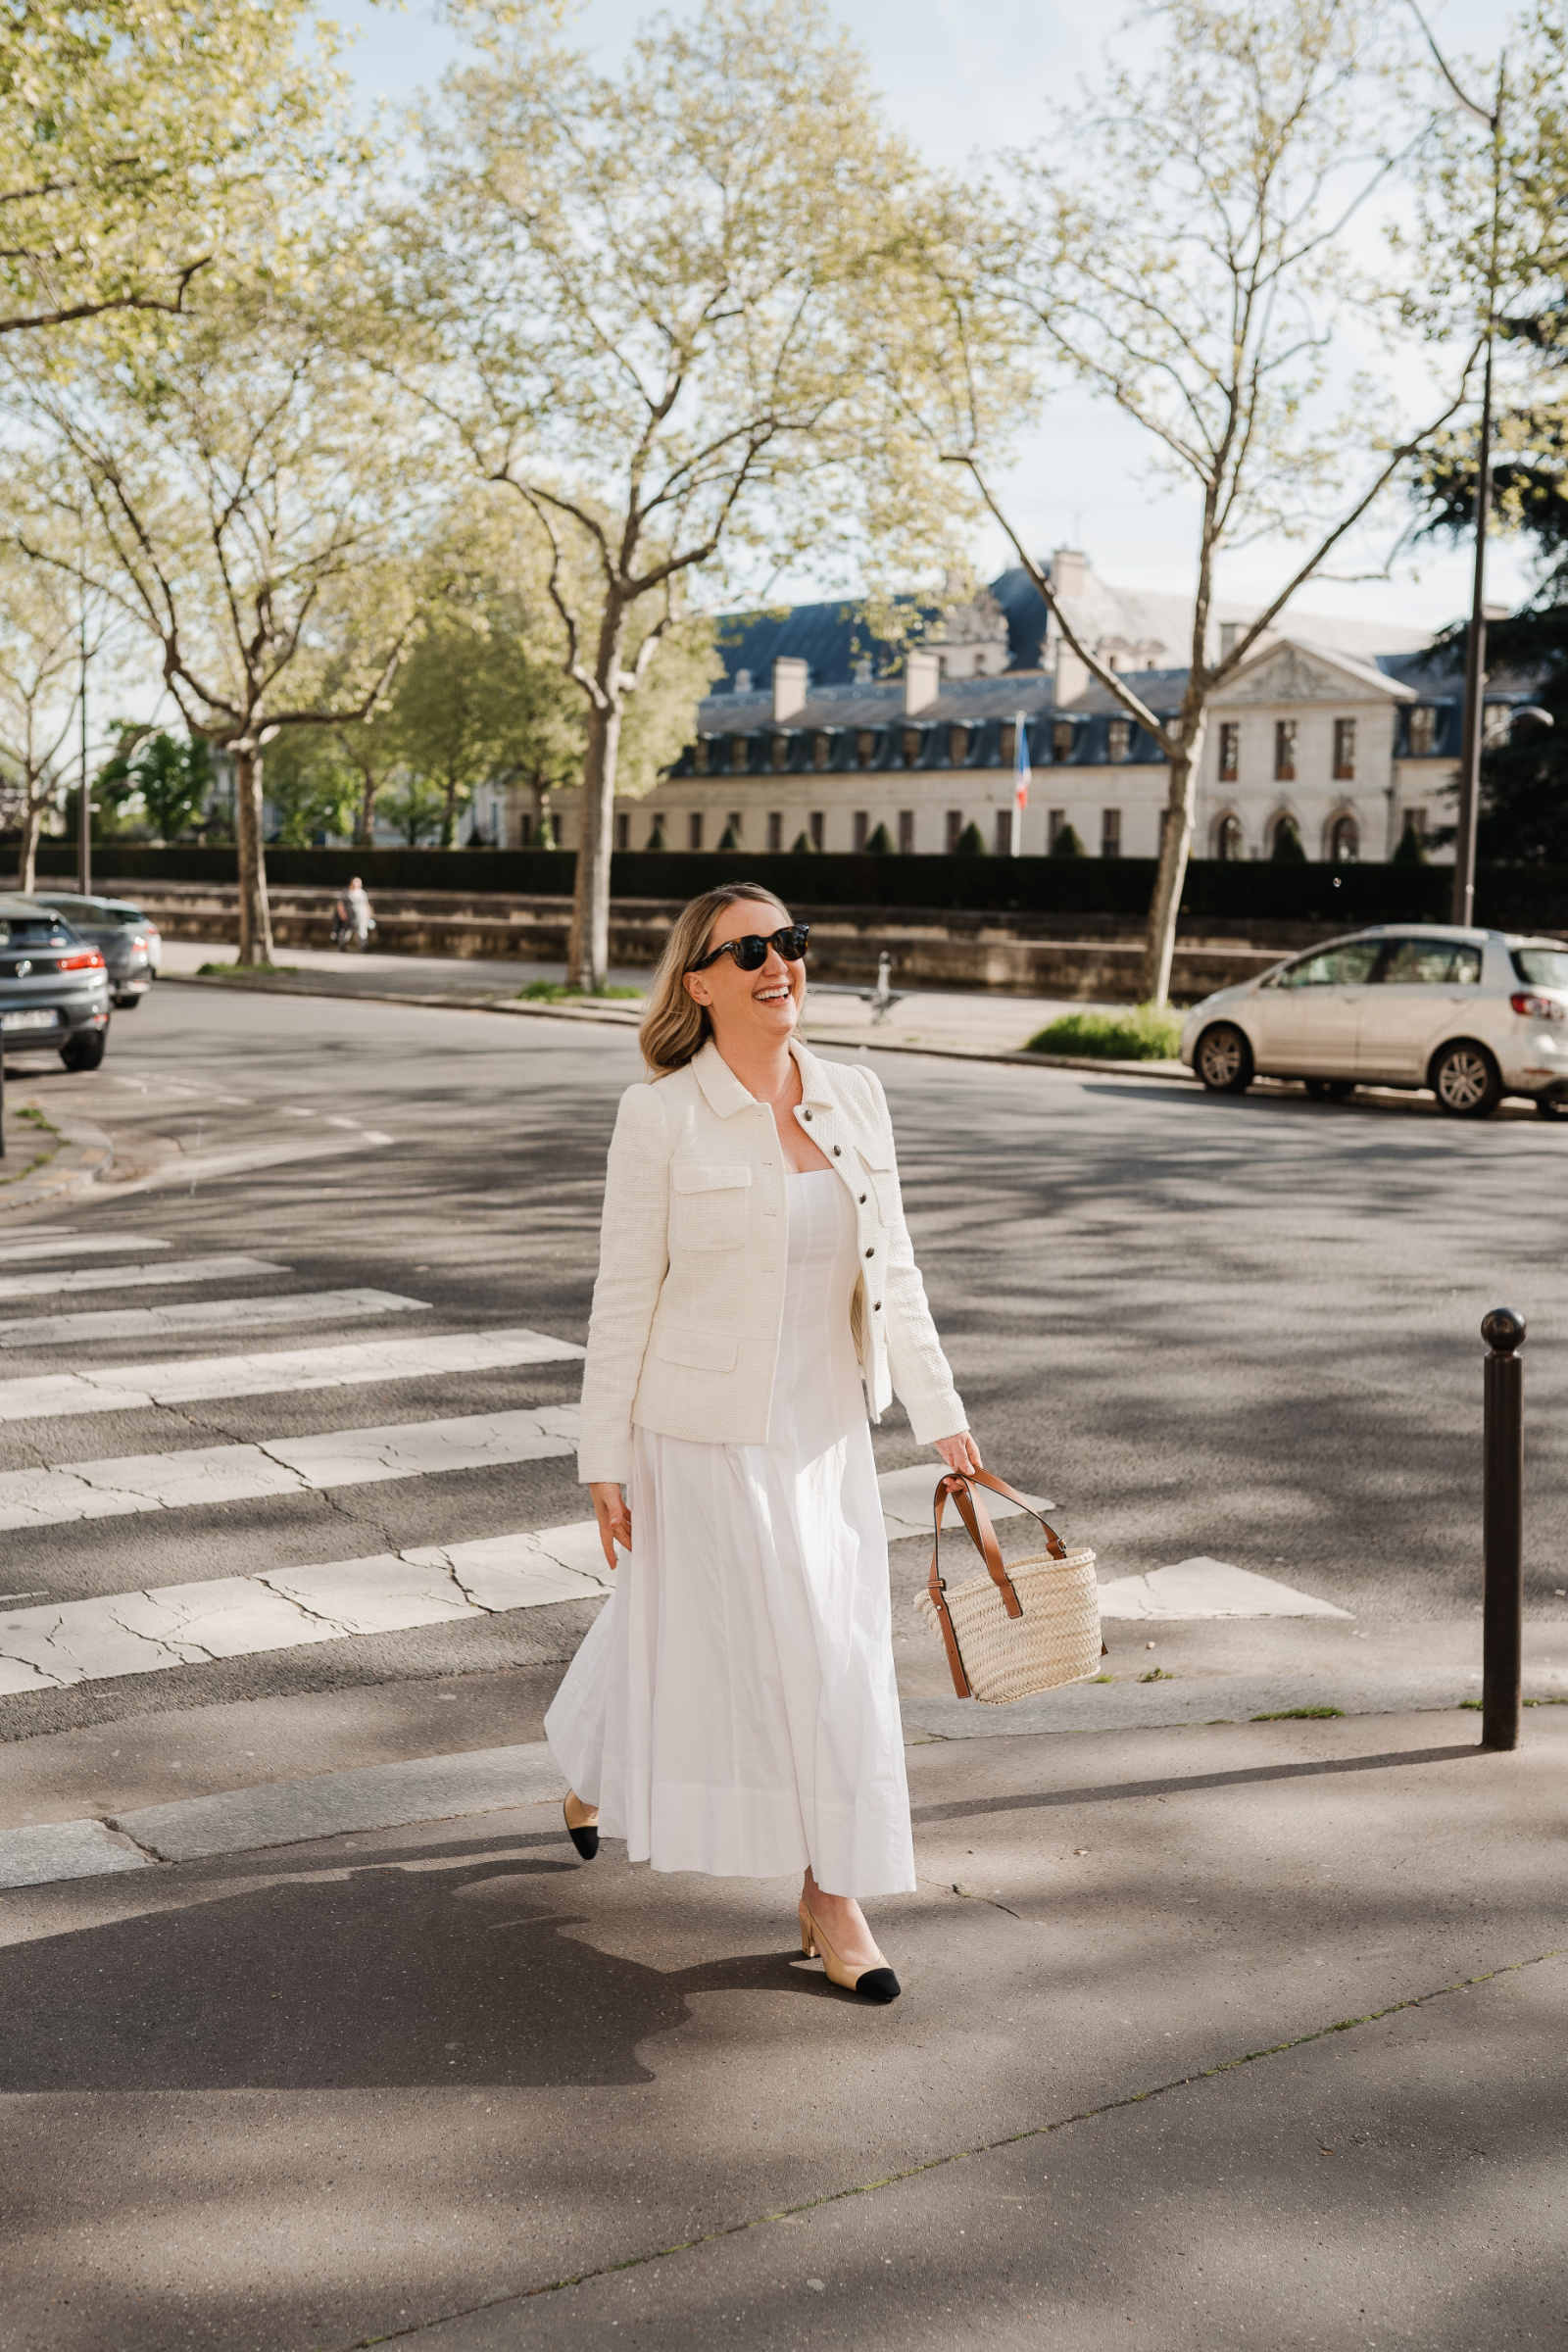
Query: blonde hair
[{"x": 676, "y": 1027}]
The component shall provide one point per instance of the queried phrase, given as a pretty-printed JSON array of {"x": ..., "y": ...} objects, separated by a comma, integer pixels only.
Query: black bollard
[{"x": 1502, "y": 1516}]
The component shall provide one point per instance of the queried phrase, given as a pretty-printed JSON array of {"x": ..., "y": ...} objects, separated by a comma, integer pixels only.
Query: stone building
[{"x": 1339, "y": 729}]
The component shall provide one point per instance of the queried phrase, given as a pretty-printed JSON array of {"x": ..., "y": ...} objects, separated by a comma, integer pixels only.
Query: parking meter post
[{"x": 1502, "y": 1530}]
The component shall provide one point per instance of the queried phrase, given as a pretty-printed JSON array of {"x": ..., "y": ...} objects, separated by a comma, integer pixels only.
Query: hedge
[{"x": 1519, "y": 897}]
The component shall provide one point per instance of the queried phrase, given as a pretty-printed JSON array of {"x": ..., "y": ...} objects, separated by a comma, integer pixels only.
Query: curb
[
  {"x": 614, "y": 1017},
  {"x": 82, "y": 1157}
]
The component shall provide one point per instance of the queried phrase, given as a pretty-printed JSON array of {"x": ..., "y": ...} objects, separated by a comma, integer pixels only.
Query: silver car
[
  {"x": 53, "y": 988},
  {"x": 1473, "y": 1015},
  {"x": 128, "y": 943}
]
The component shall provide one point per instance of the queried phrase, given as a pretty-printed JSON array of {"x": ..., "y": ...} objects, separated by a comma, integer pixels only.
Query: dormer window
[
  {"x": 864, "y": 747},
  {"x": 957, "y": 746},
  {"x": 699, "y": 757},
  {"x": 1423, "y": 731},
  {"x": 1007, "y": 741},
  {"x": 781, "y": 753},
  {"x": 742, "y": 681},
  {"x": 740, "y": 754},
  {"x": 821, "y": 748},
  {"x": 913, "y": 741},
  {"x": 1062, "y": 739},
  {"x": 1118, "y": 739}
]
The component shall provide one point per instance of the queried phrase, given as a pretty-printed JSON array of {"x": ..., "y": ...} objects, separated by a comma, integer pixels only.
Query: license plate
[{"x": 30, "y": 1020}]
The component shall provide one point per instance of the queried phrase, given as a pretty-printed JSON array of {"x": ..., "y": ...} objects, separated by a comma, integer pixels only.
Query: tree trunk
[
  {"x": 255, "y": 916},
  {"x": 588, "y": 948},
  {"x": 27, "y": 846},
  {"x": 1174, "y": 849},
  {"x": 448, "y": 814},
  {"x": 365, "y": 830}
]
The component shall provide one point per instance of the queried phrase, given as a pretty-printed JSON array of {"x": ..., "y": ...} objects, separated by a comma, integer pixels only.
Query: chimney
[
  {"x": 1071, "y": 674},
  {"x": 1068, "y": 572},
  {"x": 790, "y": 681},
  {"x": 922, "y": 681}
]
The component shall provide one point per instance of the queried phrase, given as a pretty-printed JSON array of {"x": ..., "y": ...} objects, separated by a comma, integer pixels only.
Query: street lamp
[{"x": 1475, "y": 659}]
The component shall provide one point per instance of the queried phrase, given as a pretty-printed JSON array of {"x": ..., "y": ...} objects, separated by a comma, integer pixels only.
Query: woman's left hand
[{"x": 960, "y": 1453}]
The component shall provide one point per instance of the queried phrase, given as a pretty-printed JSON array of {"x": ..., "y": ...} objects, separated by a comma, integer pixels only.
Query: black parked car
[
  {"x": 54, "y": 985},
  {"x": 127, "y": 940}
]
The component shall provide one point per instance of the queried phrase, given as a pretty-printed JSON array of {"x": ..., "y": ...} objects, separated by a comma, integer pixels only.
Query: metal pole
[
  {"x": 1475, "y": 674},
  {"x": 84, "y": 798},
  {"x": 1502, "y": 1530}
]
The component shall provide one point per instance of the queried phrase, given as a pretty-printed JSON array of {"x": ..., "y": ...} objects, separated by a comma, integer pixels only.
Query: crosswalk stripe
[
  {"x": 15, "y": 1251},
  {"x": 198, "y": 1315},
  {"x": 127, "y": 1278},
  {"x": 127, "y": 1388},
  {"x": 345, "y": 1458},
  {"x": 204, "y": 1168},
  {"x": 242, "y": 1616}
]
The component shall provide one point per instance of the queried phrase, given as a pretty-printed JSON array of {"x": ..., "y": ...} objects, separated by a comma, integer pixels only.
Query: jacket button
[
  {"x": 838, "y": 1151},
  {"x": 862, "y": 1200},
  {"x": 877, "y": 1309},
  {"x": 870, "y": 1253},
  {"x": 806, "y": 1114}
]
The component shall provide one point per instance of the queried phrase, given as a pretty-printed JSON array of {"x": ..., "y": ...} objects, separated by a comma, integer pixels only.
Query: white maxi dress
[{"x": 733, "y": 1709}]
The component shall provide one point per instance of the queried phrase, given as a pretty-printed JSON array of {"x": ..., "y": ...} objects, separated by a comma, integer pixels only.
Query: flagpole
[{"x": 1021, "y": 780}]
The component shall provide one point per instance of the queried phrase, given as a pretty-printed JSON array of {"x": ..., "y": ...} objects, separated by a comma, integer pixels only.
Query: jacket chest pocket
[
  {"x": 708, "y": 1208},
  {"x": 882, "y": 1182}
]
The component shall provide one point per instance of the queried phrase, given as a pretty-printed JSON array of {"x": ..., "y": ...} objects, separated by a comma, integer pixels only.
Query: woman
[{"x": 734, "y": 1711}]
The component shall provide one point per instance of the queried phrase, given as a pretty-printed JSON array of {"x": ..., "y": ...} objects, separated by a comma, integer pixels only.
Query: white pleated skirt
[{"x": 733, "y": 1709}]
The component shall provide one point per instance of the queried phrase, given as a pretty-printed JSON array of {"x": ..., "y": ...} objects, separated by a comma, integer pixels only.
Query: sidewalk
[{"x": 1204, "y": 2040}]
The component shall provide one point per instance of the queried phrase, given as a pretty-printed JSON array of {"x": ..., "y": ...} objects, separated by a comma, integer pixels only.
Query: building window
[
  {"x": 1230, "y": 750},
  {"x": 1344, "y": 841},
  {"x": 1062, "y": 739},
  {"x": 1111, "y": 832},
  {"x": 1007, "y": 741},
  {"x": 862, "y": 826},
  {"x": 957, "y": 746},
  {"x": 906, "y": 832},
  {"x": 732, "y": 823},
  {"x": 814, "y": 821},
  {"x": 1343, "y": 750},
  {"x": 864, "y": 747},
  {"x": 821, "y": 752},
  {"x": 1423, "y": 731},
  {"x": 1284, "y": 749},
  {"x": 1005, "y": 832},
  {"x": 913, "y": 737},
  {"x": 622, "y": 829},
  {"x": 1415, "y": 821},
  {"x": 1119, "y": 738},
  {"x": 740, "y": 754},
  {"x": 694, "y": 830},
  {"x": 524, "y": 831},
  {"x": 699, "y": 757},
  {"x": 1228, "y": 840},
  {"x": 781, "y": 753},
  {"x": 1056, "y": 822},
  {"x": 775, "y": 829},
  {"x": 955, "y": 827},
  {"x": 1496, "y": 723}
]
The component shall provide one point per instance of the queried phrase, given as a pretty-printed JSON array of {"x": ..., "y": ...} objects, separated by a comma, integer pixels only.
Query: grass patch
[
  {"x": 1102, "y": 1677},
  {"x": 1298, "y": 1715},
  {"x": 1156, "y": 1674},
  {"x": 244, "y": 971},
  {"x": 1137, "y": 1033},
  {"x": 555, "y": 991},
  {"x": 35, "y": 1118}
]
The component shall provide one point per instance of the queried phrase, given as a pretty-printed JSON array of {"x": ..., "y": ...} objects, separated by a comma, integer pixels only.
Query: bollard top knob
[{"x": 1503, "y": 1330}]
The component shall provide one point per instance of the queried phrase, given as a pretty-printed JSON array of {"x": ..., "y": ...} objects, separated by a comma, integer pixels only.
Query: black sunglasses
[{"x": 751, "y": 952}]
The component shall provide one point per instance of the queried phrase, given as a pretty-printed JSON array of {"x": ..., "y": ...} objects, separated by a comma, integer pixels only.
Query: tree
[
  {"x": 675, "y": 312},
  {"x": 40, "y": 672},
  {"x": 971, "y": 842},
  {"x": 1178, "y": 251},
  {"x": 128, "y": 130},
  {"x": 250, "y": 491},
  {"x": 310, "y": 786},
  {"x": 415, "y": 806},
  {"x": 173, "y": 781},
  {"x": 474, "y": 701},
  {"x": 1067, "y": 844}
]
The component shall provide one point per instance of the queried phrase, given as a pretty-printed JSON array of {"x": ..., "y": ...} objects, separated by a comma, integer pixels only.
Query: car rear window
[
  {"x": 1543, "y": 967},
  {"x": 129, "y": 919},
  {"x": 1431, "y": 963},
  {"x": 35, "y": 931}
]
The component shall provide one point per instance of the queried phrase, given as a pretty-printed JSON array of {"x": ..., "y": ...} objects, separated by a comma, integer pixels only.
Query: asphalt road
[{"x": 417, "y": 2083}]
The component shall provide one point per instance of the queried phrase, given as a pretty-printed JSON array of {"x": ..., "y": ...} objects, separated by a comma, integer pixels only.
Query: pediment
[{"x": 1290, "y": 673}]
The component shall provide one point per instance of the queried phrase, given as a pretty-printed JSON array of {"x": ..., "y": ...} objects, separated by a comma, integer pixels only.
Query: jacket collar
[{"x": 724, "y": 1094}]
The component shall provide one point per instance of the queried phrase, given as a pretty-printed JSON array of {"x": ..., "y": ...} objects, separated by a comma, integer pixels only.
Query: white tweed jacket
[{"x": 690, "y": 1298}]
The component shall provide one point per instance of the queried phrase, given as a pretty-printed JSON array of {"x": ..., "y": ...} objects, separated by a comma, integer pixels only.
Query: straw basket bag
[{"x": 1016, "y": 1629}]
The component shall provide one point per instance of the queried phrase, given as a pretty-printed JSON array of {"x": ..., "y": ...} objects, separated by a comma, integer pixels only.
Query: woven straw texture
[{"x": 1055, "y": 1640}]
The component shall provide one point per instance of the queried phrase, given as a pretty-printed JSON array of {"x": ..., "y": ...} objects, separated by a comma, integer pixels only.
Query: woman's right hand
[{"x": 613, "y": 1515}]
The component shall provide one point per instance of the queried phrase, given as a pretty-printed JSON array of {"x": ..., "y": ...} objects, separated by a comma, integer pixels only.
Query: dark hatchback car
[
  {"x": 126, "y": 941},
  {"x": 54, "y": 986}
]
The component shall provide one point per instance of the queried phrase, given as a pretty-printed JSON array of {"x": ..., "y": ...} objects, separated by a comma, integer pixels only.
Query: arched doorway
[
  {"x": 1228, "y": 839},
  {"x": 1344, "y": 841}
]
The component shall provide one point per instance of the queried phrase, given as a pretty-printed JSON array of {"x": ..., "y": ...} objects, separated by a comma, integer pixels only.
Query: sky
[{"x": 966, "y": 83}]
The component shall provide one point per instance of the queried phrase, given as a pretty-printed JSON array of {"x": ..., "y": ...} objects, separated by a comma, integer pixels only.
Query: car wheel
[
  {"x": 1224, "y": 1059},
  {"x": 85, "y": 1053},
  {"x": 1551, "y": 1107},
  {"x": 1329, "y": 1090},
  {"x": 1465, "y": 1080},
  {"x": 128, "y": 1004}
]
